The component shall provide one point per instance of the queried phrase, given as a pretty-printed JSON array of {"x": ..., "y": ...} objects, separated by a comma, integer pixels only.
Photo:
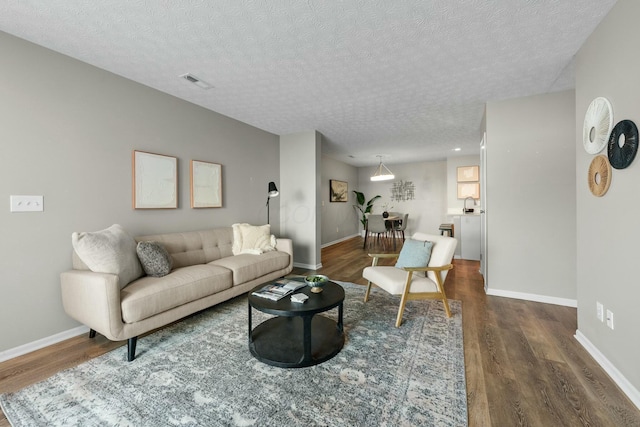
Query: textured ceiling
[{"x": 407, "y": 79}]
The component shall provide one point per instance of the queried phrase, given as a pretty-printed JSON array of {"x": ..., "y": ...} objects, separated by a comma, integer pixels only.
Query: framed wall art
[
  {"x": 155, "y": 181},
  {"x": 469, "y": 189},
  {"x": 338, "y": 191},
  {"x": 468, "y": 173},
  {"x": 206, "y": 184}
]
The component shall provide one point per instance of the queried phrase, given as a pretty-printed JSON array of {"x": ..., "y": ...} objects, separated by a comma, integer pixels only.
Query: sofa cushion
[
  {"x": 149, "y": 296},
  {"x": 246, "y": 267},
  {"x": 195, "y": 247},
  {"x": 111, "y": 250},
  {"x": 392, "y": 280},
  {"x": 154, "y": 258},
  {"x": 252, "y": 239}
]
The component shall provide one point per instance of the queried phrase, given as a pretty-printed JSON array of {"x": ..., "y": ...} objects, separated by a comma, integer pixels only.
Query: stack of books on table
[{"x": 279, "y": 289}]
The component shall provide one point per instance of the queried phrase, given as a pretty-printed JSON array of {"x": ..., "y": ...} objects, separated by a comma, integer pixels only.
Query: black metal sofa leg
[
  {"x": 131, "y": 348},
  {"x": 92, "y": 333}
]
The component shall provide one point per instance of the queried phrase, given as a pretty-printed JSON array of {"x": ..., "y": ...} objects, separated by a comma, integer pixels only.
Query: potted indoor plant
[{"x": 364, "y": 208}]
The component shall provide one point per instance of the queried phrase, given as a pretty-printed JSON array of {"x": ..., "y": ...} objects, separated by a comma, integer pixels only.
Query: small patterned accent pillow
[
  {"x": 154, "y": 258},
  {"x": 415, "y": 253}
]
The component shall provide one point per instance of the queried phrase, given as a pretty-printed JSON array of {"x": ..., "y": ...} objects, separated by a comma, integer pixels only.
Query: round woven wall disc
[
  {"x": 623, "y": 144},
  {"x": 598, "y": 122},
  {"x": 599, "y": 178}
]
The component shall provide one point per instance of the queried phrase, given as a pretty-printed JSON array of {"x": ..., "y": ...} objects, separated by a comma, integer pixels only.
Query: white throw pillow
[
  {"x": 109, "y": 251},
  {"x": 252, "y": 239}
]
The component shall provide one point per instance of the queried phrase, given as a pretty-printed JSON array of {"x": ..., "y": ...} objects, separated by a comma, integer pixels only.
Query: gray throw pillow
[
  {"x": 111, "y": 250},
  {"x": 154, "y": 258}
]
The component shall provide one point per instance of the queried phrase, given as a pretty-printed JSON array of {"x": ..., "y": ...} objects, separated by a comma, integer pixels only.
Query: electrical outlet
[
  {"x": 600, "y": 311},
  {"x": 610, "y": 319}
]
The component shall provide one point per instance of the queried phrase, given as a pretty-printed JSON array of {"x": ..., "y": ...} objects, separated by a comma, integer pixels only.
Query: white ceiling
[{"x": 407, "y": 79}]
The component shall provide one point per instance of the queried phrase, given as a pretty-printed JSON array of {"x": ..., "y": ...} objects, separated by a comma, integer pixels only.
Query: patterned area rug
[{"x": 199, "y": 372}]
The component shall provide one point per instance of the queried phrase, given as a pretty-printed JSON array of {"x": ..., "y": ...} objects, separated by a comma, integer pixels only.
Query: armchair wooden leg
[
  {"x": 446, "y": 306},
  {"x": 445, "y": 302},
  {"x": 403, "y": 302},
  {"x": 404, "y": 299}
]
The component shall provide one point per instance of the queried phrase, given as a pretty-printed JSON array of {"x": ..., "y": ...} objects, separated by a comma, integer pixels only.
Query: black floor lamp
[{"x": 273, "y": 192}]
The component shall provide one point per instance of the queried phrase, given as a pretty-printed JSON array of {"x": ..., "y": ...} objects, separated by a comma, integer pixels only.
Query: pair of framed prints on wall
[{"x": 155, "y": 182}]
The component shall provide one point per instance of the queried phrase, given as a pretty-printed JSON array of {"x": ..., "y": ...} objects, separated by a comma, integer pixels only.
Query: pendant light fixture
[{"x": 382, "y": 173}]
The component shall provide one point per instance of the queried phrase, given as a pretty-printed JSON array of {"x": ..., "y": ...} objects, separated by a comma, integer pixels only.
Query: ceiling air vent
[{"x": 196, "y": 81}]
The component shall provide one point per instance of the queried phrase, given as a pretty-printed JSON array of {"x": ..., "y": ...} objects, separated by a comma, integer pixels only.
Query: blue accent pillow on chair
[{"x": 415, "y": 253}]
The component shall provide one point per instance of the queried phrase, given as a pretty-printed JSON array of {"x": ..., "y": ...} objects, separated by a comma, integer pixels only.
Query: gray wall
[
  {"x": 339, "y": 219},
  {"x": 531, "y": 204},
  {"x": 428, "y": 210},
  {"x": 67, "y": 131},
  {"x": 300, "y": 176},
  {"x": 607, "y": 227}
]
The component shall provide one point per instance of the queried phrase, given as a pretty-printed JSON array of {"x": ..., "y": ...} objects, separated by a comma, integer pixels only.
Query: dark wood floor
[{"x": 523, "y": 365}]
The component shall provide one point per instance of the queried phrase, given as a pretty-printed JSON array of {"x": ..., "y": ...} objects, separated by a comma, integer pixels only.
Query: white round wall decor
[{"x": 598, "y": 122}]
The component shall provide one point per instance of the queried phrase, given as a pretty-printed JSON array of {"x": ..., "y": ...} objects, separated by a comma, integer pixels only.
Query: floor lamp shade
[{"x": 271, "y": 192}]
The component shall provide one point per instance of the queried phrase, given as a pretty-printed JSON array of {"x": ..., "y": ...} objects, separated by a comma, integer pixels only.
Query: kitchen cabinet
[{"x": 470, "y": 237}]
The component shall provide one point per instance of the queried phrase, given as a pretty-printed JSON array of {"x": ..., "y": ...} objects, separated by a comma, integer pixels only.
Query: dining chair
[
  {"x": 401, "y": 226},
  {"x": 375, "y": 225},
  {"x": 419, "y": 273}
]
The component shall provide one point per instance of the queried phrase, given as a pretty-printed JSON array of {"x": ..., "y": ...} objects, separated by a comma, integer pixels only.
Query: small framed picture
[
  {"x": 468, "y": 173},
  {"x": 338, "y": 191},
  {"x": 206, "y": 184},
  {"x": 155, "y": 181},
  {"x": 469, "y": 189}
]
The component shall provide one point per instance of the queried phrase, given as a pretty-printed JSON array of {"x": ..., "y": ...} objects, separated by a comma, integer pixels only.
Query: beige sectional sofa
[{"x": 205, "y": 272}]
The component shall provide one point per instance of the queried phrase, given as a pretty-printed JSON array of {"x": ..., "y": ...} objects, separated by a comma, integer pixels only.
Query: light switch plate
[
  {"x": 26, "y": 203},
  {"x": 600, "y": 311}
]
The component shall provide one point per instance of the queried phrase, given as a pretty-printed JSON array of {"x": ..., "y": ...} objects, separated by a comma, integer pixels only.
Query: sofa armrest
[
  {"x": 285, "y": 245},
  {"x": 94, "y": 300}
]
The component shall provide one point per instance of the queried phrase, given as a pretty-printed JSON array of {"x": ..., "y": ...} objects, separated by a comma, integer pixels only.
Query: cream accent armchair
[{"x": 408, "y": 282}]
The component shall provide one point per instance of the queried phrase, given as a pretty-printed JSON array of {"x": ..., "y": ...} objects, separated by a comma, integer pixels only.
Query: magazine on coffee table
[{"x": 279, "y": 289}]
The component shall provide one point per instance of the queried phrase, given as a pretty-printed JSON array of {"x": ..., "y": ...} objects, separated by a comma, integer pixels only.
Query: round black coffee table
[{"x": 296, "y": 337}]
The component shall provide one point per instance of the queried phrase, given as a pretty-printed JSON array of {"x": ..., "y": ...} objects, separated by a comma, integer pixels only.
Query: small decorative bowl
[{"x": 316, "y": 281}]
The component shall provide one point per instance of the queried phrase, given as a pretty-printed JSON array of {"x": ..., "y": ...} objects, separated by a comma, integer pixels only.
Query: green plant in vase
[
  {"x": 385, "y": 209},
  {"x": 364, "y": 208}
]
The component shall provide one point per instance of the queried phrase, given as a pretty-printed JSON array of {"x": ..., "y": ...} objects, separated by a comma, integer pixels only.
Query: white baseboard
[
  {"x": 339, "y": 240},
  {"x": 627, "y": 388},
  {"x": 42, "y": 343},
  {"x": 533, "y": 297},
  {"x": 308, "y": 266}
]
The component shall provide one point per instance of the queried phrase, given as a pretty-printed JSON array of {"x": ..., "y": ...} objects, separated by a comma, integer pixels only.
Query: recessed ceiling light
[
  {"x": 196, "y": 81},
  {"x": 457, "y": 149}
]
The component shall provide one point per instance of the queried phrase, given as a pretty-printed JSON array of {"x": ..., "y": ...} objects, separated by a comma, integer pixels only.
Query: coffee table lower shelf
[{"x": 283, "y": 341}]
